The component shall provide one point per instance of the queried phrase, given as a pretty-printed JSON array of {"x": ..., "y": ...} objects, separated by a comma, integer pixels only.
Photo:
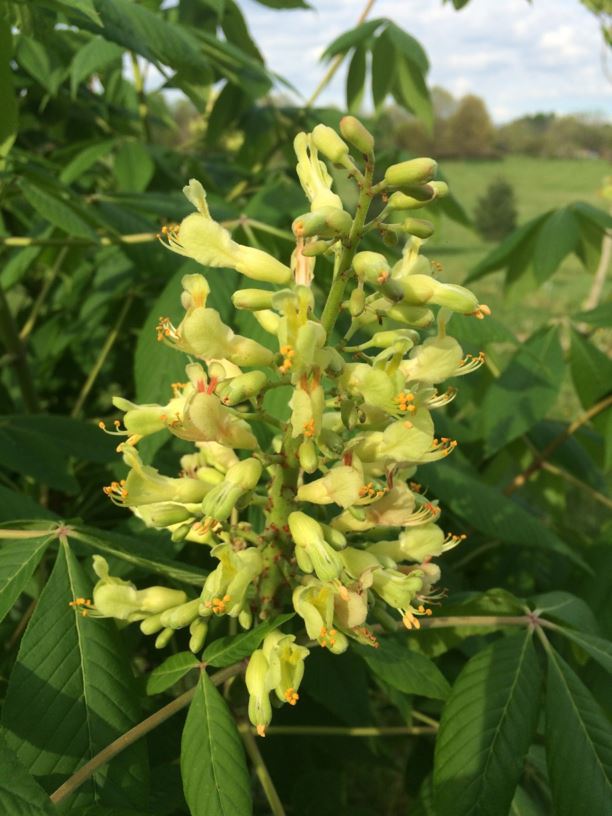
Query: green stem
[
  {"x": 250, "y": 743},
  {"x": 134, "y": 734},
  {"x": 18, "y": 358},
  {"x": 104, "y": 351},
  {"x": 104, "y": 240},
  {"x": 341, "y": 731},
  {"x": 143, "y": 110},
  {"x": 333, "y": 304},
  {"x": 486, "y": 620}
]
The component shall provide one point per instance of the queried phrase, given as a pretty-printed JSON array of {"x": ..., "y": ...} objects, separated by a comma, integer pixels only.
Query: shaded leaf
[
  {"x": 566, "y": 608},
  {"x": 339, "y": 683},
  {"x": 133, "y": 167},
  {"x": 502, "y": 256},
  {"x": 408, "y": 671},
  {"x": 56, "y": 211},
  {"x": 91, "y": 58},
  {"x": 558, "y": 237},
  {"x": 492, "y": 513},
  {"x": 85, "y": 159},
  {"x": 8, "y": 120},
  {"x": 578, "y": 745},
  {"x": 227, "y": 650},
  {"x": 600, "y": 317},
  {"x": 355, "y": 79},
  {"x": 591, "y": 370},
  {"x": 407, "y": 45},
  {"x": 411, "y": 91},
  {"x": 70, "y": 694},
  {"x": 352, "y": 38},
  {"x": 20, "y": 794},
  {"x": 598, "y": 648},
  {"x": 18, "y": 559},
  {"x": 383, "y": 68},
  {"x": 213, "y": 767},
  {"x": 525, "y": 391},
  {"x": 36, "y": 455},
  {"x": 486, "y": 728},
  {"x": 171, "y": 671}
]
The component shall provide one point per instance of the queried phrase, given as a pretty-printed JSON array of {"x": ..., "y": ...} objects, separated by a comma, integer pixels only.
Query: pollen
[
  {"x": 291, "y": 696},
  {"x": 219, "y": 604},
  {"x": 309, "y": 428},
  {"x": 166, "y": 331},
  {"x": 116, "y": 492},
  {"x": 327, "y": 637},
  {"x": 261, "y": 730},
  {"x": 82, "y": 605},
  {"x": 404, "y": 401},
  {"x": 481, "y": 311}
]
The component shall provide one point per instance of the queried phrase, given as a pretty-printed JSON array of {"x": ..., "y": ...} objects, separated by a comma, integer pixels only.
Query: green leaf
[
  {"x": 19, "y": 558},
  {"x": 15, "y": 505},
  {"x": 591, "y": 370},
  {"x": 134, "y": 167},
  {"x": 408, "y": 671},
  {"x": 352, "y": 38},
  {"x": 558, "y": 237},
  {"x": 510, "y": 248},
  {"x": 285, "y": 4},
  {"x": 85, "y": 159},
  {"x": 70, "y": 694},
  {"x": 20, "y": 794},
  {"x": 155, "y": 365},
  {"x": 486, "y": 728},
  {"x": 171, "y": 671},
  {"x": 8, "y": 120},
  {"x": 383, "y": 68},
  {"x": 36, "y": 455},
  {"x": 339, "y": 683},
  {"x": 407, "y": 45},
  {"x": 527, "y": 388},
  {"x": 600, "y": 317},
  {"x": 35, "y": 58},
  {"x": 213, "y": 767},
  {"x": 578, "y": 745},
  {"x": 566, "y": 608},
  {"x": 355, "y": 79},
  {"x": 227, "y": 650},
  {"x": 83, "y": 440},
  {"x": 492, "y": 513},
  {"x": 85, "y": 7},
  {"x": 136, "y": 552},
  {"x": 56, "y": 211},
  {"x": 94, "y": 56},
  {"x": 598, "y": 648},
  {"x": 411, "y": 91}
]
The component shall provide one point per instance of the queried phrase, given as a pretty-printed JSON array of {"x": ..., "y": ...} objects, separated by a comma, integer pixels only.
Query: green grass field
[{"x": 539, "y": 185}]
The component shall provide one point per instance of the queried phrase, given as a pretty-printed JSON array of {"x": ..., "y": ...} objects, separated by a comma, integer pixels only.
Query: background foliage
[{"x": 512, "y": 715}]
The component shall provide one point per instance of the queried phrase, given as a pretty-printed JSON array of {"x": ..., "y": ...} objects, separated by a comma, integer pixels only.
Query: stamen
[
  {"x": 291, "y": 696},
  {"x": 309, "y": 428}
]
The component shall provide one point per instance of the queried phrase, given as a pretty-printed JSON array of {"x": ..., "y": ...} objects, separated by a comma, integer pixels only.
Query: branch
[
  {"x": 538, "y": 461},
  {"x": 134, "y": 734},
  {"x": 486, "y": 620},
  {"x": 337, "y": 61},
  {"x": 17, "y": 354},
  {"x": 250, "y": 743},
  {"x": 342, "y": 731}
]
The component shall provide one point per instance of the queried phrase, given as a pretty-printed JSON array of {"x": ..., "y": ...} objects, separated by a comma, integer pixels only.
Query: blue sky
[{"x": 520, "y": 57}]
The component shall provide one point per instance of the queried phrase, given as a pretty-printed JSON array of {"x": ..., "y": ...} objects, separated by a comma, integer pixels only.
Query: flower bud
[
  {"x": 157, "y": 599},
  {"x": 357, "y": 301},
  {"x": 151, "y": 625},
  {"x": 456, "y": 298},
  {"x": 372, "y": 267},
  {"x": 198, "y": 630},
  {"x": 418, "y": 227},
  {"x": 330, "y": 144},
  {"x": 252, "y": 299},
  {"x": 268, "y": 320},
  {"x": 179, "y": 616},
  {"x": 440, "y": 188},
  {"x": 241, "y": 388},
  {"x": 164, "y": 638},
  {"x": 239, "y": 479},
  {"x": 312, "y": 552},
  {"x": 312, "y": 249},
  {"x": 259, "y": 682},
  {"x": 411, "y": 315},
  {"x": 357, "y": 134},
  {"x": 325, "y": 222},
  {"x": 307, "y": 455},
  {"x": 286, "y": 659},
  {"x": 411, "y": 198},
  {"x": 415, "y": 171}
]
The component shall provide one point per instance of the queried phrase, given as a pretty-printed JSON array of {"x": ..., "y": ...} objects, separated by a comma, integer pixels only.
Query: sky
[{"x": 519, "y": 57}]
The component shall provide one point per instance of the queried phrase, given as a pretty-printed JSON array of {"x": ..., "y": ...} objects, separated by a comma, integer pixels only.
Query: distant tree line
[{"x": 463, "y": 129}]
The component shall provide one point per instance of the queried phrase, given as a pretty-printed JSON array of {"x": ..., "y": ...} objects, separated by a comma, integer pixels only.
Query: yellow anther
[
  {"x": 291, "y": 696},
  {"x": 261, "y": 730},
  {"x": 309, "y": 428}
]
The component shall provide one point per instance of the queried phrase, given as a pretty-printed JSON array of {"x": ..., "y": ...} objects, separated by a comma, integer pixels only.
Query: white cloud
[{"x": 520, "y": 57}]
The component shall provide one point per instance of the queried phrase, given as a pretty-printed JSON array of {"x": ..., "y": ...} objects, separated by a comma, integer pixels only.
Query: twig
[
  {"x": 104, "y": 351},
  {"x": 538, "y": 461},
  {"x": 336, "y": 62},
  {"x": 27, "y": 327},
  {"x": 103, "y": 240},
  {"x": 486, "y": 620},
  {"x": 134, "y": 734},
  {"x": 563, "y": 474},
  {"x": 250, "y": 743},
  {"x": 19, "y": 361},
  {"x": 599, "y": 278},
  {"x": 342, "y": 731}
]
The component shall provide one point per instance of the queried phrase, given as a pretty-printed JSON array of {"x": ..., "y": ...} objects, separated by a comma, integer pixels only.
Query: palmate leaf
[
  {"x": 525, "y": 391},
  {"x": 355, "y": 79},
  {"x": 596, "y": 647},
  {"x": 70, "y": 694},
  {"x": 405, "y": 670},
  {"x": 19, "y": 558},
  {"x": 213, "y": 767},
  {"x": 171, "y": 671},
  {"x": 486, "y": 728},
  {"x": 20, "y": 794},
  {"x": 578, "y": 745}
]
